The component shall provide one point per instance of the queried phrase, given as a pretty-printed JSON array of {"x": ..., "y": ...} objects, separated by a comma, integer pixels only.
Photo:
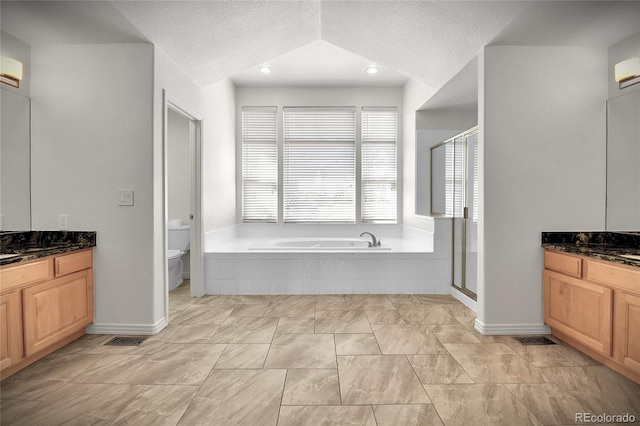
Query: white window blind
[
  {"x": 319, "y": 165},
  {"x": 453, "y": 178},
  {"x": 259, "y": 164},
  {"x": 476, "y": 186},
  {"x": 458, "y": 177},
  {"x": 379, "y": 165}
]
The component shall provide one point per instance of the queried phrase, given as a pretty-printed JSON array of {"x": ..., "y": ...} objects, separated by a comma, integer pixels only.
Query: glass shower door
[
  {"x": 471, "y": 213},
  {"x": 457, "y": 211},
  {"x": 465, "y": 213}
]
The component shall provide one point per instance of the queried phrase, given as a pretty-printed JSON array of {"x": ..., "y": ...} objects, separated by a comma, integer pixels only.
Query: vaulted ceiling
[{"x": 428, "y": 41}]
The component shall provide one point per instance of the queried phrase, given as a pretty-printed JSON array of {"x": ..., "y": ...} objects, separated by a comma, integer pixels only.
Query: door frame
[{"x": 196, "y": 250}]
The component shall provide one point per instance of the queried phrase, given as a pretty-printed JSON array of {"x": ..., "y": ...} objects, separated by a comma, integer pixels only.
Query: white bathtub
[
  {"x": 322, "y": 244},
  {"x": 323, "y": 259}
]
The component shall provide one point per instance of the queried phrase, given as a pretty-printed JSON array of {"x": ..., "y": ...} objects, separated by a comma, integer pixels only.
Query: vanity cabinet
[
  {"x": 11, "y": 342},
  {"x": 46, "y": 304},
  {"x": 579, "y": 309},
  {"x": 594, "y": 305},
  {"x": 627, "y": 331}
]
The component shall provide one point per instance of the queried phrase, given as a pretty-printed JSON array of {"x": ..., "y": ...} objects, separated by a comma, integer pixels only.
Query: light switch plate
[
  {"x": 125, "y": 197},
  {"x": 63, "y": 222}
]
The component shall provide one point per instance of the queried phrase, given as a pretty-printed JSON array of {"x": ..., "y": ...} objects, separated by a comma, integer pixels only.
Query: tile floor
[{"x": 330, "y": 360}]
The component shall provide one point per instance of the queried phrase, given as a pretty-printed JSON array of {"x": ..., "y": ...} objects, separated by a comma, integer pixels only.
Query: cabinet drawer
[
  {"x": 73, "y": 262},
  {"x": 563, "y": 263},
  {"x": 619, "y": 276},
  {"x": 26, "y": 273}
]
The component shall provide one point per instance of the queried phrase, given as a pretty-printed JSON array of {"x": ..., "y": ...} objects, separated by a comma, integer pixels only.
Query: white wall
[
  {"x": 91, "y": 136},
  {"x": 414, "y": 95},
  {"x": 178, "y": 167},
  {"x": 219, "y": 156},
  {"x": 320, "y": 96},
  {"x": 433, "y": 127},
  {"x": 17, "y": 49},
  {"x": 624, "y": 49},
  {"x": 15, "y": 117},
  {"x": 178, "y": 88},
  {"x": 542, "y": 168},
  {"x": 623, "y": 152}
]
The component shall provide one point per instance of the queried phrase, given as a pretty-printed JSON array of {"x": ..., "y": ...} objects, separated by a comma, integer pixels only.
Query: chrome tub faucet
[{"x": 374, "y": 241}]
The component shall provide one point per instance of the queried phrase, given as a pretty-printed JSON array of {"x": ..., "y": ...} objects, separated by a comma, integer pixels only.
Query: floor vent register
[
  {"x": 126, "y": 341},
  {"x": 536, "y": 340}
]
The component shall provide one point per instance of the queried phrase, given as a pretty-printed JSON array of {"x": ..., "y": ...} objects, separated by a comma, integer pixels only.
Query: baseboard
[
  {"x": 466, "y": 300},
  {"x": 128, "y": 329},
  {"x": 510, "y": 329}
]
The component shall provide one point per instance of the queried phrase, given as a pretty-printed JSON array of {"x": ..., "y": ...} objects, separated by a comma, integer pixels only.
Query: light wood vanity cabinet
[
  {"x": 11, "y": 342},
  {"x": 46, "y": 304},
  {"x": 594, "y": 305}
]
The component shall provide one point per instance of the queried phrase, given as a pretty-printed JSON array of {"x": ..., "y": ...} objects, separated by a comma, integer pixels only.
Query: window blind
[
  {"x": 319, "y": 165},
  {"x": 476, "y": 186},
  {"x": 259, "y": 164},
  {"x": 454, "y": 175},
  {"x": 379, "y": 165},
  {"x": 458, "y": 177}
]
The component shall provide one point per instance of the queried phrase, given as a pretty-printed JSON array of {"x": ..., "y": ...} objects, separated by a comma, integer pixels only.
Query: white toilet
[{"x": 178, "y": 246}]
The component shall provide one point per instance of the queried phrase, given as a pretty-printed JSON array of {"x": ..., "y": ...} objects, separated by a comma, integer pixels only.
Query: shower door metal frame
[{"x": 465, "y": 136}]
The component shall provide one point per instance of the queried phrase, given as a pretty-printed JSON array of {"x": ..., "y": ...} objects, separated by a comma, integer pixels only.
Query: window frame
[{"x": 358, "y": 164}]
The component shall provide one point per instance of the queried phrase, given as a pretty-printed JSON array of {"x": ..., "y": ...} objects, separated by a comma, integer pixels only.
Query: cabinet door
[
  {"x": 56, "y": 309},
  {"x": 626, "y": 329},
  {"x": 11, "y": 347},
  {"x": 581, "y": 310}
]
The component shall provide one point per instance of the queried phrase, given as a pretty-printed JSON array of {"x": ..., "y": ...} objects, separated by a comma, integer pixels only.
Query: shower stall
[{"x": 454, "y": 194}]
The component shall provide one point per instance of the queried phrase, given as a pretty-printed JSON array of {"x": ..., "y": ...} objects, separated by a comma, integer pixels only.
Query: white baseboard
[
  {"x": 466, "y": 300},
  {"x": 510, "y": 329},
  {"x": 128, "y": 329}
]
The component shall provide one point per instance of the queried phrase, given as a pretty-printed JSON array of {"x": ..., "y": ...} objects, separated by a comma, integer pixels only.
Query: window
[
  {"x": 259, "y": 164},
  {"x": 319, "y": 165},
  {"x": 379, "y": 191},
  {"x": 316, "y": 169}
]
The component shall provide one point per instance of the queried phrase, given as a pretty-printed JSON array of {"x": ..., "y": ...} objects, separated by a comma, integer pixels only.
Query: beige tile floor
[{"x": 316, "y": 360}]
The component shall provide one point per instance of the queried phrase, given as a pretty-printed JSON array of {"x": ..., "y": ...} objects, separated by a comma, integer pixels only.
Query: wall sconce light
[
  {"x": 10, "y": 71},
  {"x": 627, "y": 72}
]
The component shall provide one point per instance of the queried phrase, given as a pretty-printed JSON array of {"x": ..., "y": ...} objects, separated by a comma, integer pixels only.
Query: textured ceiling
[
  {"x": 425, "y": 40},
  {"x": 572, "y": 23},
  {"x": 212, "y": 40},
  {"x": 67, "y": 22},
  {"x": 319, "y": 63},
  {"x": 322, "y": 41}
]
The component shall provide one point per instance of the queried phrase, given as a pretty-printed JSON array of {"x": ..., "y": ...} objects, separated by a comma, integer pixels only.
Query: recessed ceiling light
[
  {"x": 265, "y": 69},
  {"x": 372, "y": 70}
]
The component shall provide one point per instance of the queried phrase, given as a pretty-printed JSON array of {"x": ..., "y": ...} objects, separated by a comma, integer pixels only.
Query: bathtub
[
  {"x": 322, "y": 244},
  {"x": 324, "y": 259}
]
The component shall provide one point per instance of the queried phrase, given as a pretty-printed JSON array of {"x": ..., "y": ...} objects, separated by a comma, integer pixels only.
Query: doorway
[{"x": 183, "y": 190}]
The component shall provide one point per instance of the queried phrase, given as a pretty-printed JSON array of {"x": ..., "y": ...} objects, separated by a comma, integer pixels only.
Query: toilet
[{"x": 178, "y": 242}]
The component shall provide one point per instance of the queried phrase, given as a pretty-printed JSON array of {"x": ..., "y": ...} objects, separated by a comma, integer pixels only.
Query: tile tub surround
[
  {"x": 411, "y": 265},
  {"x": 278, "y": 367},
  {"x": 29, "y": 245},
  {"x": 607, "y": 246}
]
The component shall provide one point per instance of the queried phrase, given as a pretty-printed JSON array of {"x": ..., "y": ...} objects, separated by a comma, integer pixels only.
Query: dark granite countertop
[
  {"x": 18, "y": 247},
  {"x": 609, "y": 246}
]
